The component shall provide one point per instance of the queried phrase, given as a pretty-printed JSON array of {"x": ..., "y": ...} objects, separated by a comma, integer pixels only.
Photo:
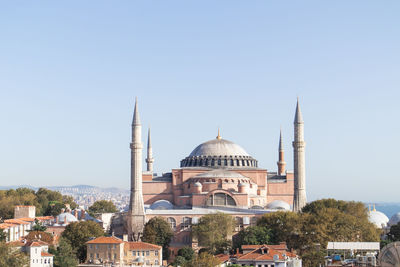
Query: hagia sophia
[{"x": 217, "y": 176}]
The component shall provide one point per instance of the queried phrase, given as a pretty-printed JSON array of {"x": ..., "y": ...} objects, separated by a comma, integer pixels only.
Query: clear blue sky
[{"x": 69, "y": 73}]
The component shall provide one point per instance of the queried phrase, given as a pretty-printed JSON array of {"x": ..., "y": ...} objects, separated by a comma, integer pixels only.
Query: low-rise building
[
  {"x": 267, "y": 256},
  {"x": 122, "y": 253},
  {"x": 38, "y": 252}
]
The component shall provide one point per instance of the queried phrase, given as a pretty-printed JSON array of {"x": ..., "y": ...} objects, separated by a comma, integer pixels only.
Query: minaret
[
  {"x": 281, "y": 163},
  {"x": 136, "y": 217},
  {"x": 300, "y": 198},
  {"x": 149, "y": 159}
]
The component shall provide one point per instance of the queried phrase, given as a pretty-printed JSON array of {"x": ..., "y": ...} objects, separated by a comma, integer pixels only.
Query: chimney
[{"x": 125, "y": 238}]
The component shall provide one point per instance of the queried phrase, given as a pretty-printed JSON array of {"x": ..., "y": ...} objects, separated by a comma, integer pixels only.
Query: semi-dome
[
  {"x": 162, "y": 205},
  {"x": 278, "y": 205},
  {"x": 378, "y": 218},
  {"x": 219, "y": 153},
  {"x": 395, "y": 219}
]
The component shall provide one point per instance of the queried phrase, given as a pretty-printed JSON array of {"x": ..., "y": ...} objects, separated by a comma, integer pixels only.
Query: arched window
[
  {"x": 220, "y": 199},
  {"x": 172, "y": 223}
]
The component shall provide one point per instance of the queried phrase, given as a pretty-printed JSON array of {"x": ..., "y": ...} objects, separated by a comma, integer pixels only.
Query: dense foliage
[
  {"x": 43, "y": 200},
  {"x": 12, "y": 257},
  {"x": 203, "y": 260},
  {"x": 252, "y": 235},
  {"x": 65, "y": 255},
  {"x": 158, "y": 231},
  {"x": 185, "y": 255},
  {"x": 319, "y": 222},
  {"x": 78, "y": 233},
  {"x": 102, "y": 206},
  {"x": 214, "y": 232}
]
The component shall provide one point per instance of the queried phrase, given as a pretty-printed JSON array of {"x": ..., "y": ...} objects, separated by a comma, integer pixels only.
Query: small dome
[
  {"x": 162, "y": 205},
  {"x": 378, "y": 218},
  {"x": 197, "y": 184},
  {"x": 395, "y": 219},
  {"x": 278, "y": 205},
  {"x": 66, "y": 218}
]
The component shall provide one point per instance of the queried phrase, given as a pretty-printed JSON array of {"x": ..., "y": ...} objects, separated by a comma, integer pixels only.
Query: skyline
[{"x": 68, "y": 81}]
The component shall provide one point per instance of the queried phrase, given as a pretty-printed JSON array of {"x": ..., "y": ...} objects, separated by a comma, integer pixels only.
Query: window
[
  {"x": 142, "y": 253},
  {"x": 156, "y": 262},
  {"x": 90, "y": 246},
  {"x": 147, "y": 262},
  {"x": 156, "y": 252},
  {"x": 133, "y": 253},
  {"x": 97, "y": 255},
  {"x": 115, "y": 256},
  {"x": 91, "y": 255},
  {"x": 147, "y": 253},
  {"x": 109, "y": 246},
  {"x": 220, "y": 199},
  {"x": 115, "y": 246},
  {"x": 239, "y": 223},
  {"x": 109, "y": 256},
  {"x": 97, "y": 246},
  {"x": 172, "y": 223},
  {"x": 186, "y": 222}
]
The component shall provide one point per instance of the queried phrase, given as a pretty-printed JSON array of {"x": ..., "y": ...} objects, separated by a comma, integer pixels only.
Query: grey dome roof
[
  {"x": 66, "y": 217},
  {"x": 162, "y": 205},
  {"x": 218, "y": 147},
  {"x": 378, "y": 218},
  {"x": 220, "y": 173},
  {"x": 278, "y": 205},
  {"x": 219, "y": 153}
]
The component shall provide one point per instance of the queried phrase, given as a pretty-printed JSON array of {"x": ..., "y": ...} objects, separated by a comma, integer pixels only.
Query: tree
[
  {"x": 394, "y": 233},
  {"x": 65, "y": 256},
  {"x": 185, "y": 255},
  {"x": 283, "y": 227},
  {"x": 203, "y": 260},
  {"x": 54, "y": 209},
  {"x": 214, "y": 231},
  {"x": 78, "y": 233},
  {"x": 70, "y": 201},
  {"x": 253, "y": 235},
  {"x": 102, "y": 206},
  {"x": 158, "y": 231},
  {"x": 11, "y": 257}
]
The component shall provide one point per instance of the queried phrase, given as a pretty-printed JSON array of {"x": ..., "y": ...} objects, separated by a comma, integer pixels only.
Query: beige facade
[{"x": 122, "y": 253}]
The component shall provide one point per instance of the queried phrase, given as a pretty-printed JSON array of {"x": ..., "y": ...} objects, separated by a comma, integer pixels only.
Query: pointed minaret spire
[
  {"x": 298, "y": 118},
  {"x": 136, "y": 117},
  {"x": 135, "y": 217},
  {"x": 281, "y": 163},
  {"x": 300, "y": 198},
  {"x": 149, "y": 159}
]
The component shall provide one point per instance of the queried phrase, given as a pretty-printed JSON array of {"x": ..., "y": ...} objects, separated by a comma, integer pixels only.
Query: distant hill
[{"x": 73, "y": 187}]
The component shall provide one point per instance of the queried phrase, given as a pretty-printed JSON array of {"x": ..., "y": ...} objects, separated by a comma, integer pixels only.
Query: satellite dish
[{"x": 390, "y": 255}]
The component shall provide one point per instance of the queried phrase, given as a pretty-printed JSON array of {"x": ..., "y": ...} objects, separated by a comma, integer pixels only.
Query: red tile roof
[
  {"x": 6, "y": 225},
  {"x": 15, "y": 221},
  {"x": 45, "y": 218},
  {"x": 45, "y": 254},
  {"x": 258, "y": 255},
  {"x": 140, "y": 245},
  {"x": 36, "y": 243},
  {"x": 105, "y": 240},
  {"x": 27, "y": 219}
]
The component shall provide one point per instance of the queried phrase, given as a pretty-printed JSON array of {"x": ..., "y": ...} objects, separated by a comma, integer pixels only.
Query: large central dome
[
  {"x": 219, "y": 153},
  {"x": 218, "y": 147}
]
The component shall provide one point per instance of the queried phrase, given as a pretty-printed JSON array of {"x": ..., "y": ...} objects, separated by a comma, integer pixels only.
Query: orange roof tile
[
  {"x": 222, "y": 257},
  {"x": 105, "y": 240},
  {"x": 45, "y": 218},
  {"x": 6, "y": 225},
  {"x": 36, "y": 243},
  {"x": 140, "y": 245},
  {"x": 27, "y": 219},
  {"x": 45, "y": 254},
  {"x": 24, "y": 206},
  {"x": 15, "y": 221},
  {"x": 257, "y": 254}
]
